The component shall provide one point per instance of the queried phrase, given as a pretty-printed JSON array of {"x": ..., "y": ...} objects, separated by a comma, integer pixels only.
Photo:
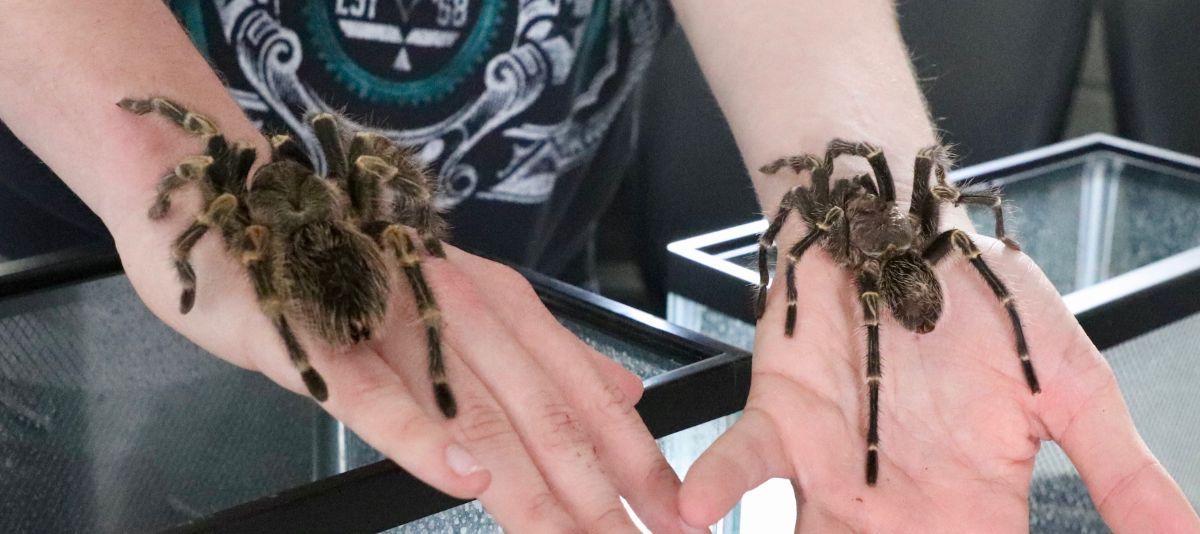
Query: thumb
[
  {"x": 740, "y": 460},
  {"x": 1131, "y": 489}
]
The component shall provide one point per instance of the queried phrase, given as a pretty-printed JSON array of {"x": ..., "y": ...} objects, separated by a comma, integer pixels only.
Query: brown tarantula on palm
[
  {"x": 314, "y": 246},
  {"x": 891, "y": 253}
]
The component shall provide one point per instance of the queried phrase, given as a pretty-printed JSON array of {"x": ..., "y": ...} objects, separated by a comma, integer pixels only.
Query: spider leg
[
  {"x": 396, "y": 237},
  {"x": 765, "y": 243},
  {"x": 993, "y": 200},
  {"x": 242, "y": 158},
  {"x": 364, "y": 183},
  {"x": 255, "y": 259},
  {"x": 868, "y": 288},
  {"x": 940, "y": 158},
  {"x": 430, "y": 225},
  {"x": 189, "y": 169},
  {"x": 805, "y": 162},
  {"x": 284, "y": 147},
  {"x": 864, "y": 181},
  {"x": 192, "y": 123},
  {"x": 429, "y": 228},
  {"x": 957, "y": 238},
  {"x": 874, "y": 156},
  {"x": 216, "y": 214},
  {"x": 767, "y": 240},
  {"x": 924, "y": 206},
  {"x": 798, "y": 164},
  {"x": 330, "y": 137},
  {"x": 415, "y": 205},
  {"x": 793, "y": 257}
]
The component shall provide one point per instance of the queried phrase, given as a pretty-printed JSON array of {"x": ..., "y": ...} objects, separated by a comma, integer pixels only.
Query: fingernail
[{"x": 461, "y": 461}]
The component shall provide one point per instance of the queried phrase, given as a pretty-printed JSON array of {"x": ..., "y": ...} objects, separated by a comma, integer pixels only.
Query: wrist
[{"x": 147, "y": 147}]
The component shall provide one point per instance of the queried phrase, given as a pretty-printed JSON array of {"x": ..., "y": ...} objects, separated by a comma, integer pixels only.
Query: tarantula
[
  {"x": 314, "y": 246},
  {"x": 891, "y": 253}
]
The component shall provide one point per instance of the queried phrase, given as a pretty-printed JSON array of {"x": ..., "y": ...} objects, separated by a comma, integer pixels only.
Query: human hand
[
  {"x": 546, "y": 435},
  {"x": 959, "y": 426}
]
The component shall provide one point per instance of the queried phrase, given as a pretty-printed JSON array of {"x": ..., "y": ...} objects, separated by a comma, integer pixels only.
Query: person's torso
[{"x": 509, "y": 101}]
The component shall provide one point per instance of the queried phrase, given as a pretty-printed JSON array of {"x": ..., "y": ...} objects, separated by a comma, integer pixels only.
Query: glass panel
[
  {"x": 1044, "y": 216},
  {"x": 1094, "y": 217},
  {"x": 1156, "y": 214},
  {"x": 110, "y": 421},
  {"x": 1084, "y": 220}
]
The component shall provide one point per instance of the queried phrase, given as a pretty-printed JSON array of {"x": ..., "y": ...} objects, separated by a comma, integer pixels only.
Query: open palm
[
  {"x": 959, "y": 427},
  {"x": 546, "y": 435}
]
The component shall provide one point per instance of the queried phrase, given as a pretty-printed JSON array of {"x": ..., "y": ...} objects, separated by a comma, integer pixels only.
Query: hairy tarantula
[
  {"x": 891, "y": 253},
  {"x": 314, "y": 246}
]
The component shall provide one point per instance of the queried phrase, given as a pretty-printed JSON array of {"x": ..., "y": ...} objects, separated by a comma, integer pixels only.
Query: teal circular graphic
[{"x": 402, "y": 52}]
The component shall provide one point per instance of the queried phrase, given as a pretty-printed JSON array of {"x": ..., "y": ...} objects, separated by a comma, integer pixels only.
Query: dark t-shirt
[{"x": 520, "y": 106}]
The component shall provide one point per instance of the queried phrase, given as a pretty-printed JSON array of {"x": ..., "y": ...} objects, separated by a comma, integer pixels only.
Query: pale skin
[
  {"x": 547, "y": 423},
  {"x": 959, "y": 427},
  {"x": 546, "y": 436}
]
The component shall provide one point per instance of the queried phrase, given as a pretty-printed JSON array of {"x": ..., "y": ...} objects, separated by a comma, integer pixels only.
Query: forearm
[
  {"x": 64, "y": 66},
  {"x": 792, "y": 74}
]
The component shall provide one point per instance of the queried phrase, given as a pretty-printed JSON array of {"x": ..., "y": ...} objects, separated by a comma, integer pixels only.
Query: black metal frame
[
  {"x": 713, "y": 382},
  {"x": 1113, "y": 311}
]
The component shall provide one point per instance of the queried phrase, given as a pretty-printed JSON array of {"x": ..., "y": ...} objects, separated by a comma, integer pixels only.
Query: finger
[
  {"x": 1131, "y": 489},
  {"x": 623, "y": 443},
  {"x": 368, "y": 396},
  {"x": 548, "y": 425},
  {"x": 520, "y": 309},
  {"x": 607, "y": 405},
  {"x": 630, "y": 385},
  {"x": 744, "y": 457},
  {"x": 518, "y": 498},
  {"x": 605, "y": 393}
]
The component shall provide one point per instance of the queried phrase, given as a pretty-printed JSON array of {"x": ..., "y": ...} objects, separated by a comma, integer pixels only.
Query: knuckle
[
  {"x": 412, "y": 425},
  {"x": 541, "y": 508},
  {"x": 613, "y": 519},
  {"x": 483, "y": 425},
  {"x": 367, "y": 393},
  {"x": 612, "y": 402},
  {"x": 562, "y": 427},
  {"x": 660, "y": 472}
]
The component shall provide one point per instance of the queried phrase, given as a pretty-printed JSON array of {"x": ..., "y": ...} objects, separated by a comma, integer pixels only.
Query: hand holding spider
[
  {"x": 541, "y": 428},
  {"x": 954, "y": 423}
]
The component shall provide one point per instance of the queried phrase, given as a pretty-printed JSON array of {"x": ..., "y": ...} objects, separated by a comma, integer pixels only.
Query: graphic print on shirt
[{"x": 501, "y": 96}]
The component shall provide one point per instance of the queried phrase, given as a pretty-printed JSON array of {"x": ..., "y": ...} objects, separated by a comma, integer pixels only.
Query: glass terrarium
[{"x": 112, "y": 422}]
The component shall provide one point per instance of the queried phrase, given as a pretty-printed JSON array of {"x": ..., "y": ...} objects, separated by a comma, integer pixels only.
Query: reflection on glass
[
  {"x": 1097, "y": 216},
  {"x": 112, "y": 422}
]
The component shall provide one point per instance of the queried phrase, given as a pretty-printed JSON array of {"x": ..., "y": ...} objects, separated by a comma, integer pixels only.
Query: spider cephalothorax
[
  {"x": 890, "y": 252},
  {"x": 314, "y": 246}
]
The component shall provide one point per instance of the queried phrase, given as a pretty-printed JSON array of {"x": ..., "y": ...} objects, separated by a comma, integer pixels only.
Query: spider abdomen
[
  {"x": 336, "y": 279},
  {"x": 911, "y": 290}
]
